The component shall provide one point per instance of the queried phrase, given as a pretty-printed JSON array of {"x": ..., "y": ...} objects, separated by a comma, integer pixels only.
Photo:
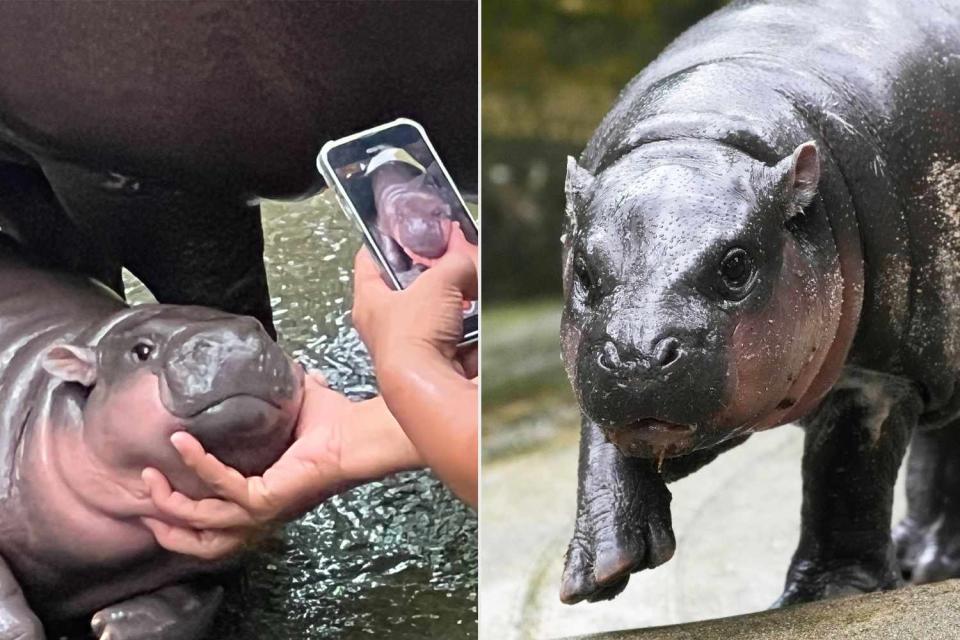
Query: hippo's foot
[
  {"x": 174, "y": 613},
  {"x": 928, "y": 553},
  {"x": 17, "y": 620},
  {"x": 599, "y": 563},
  {"x": 808, "y": 581}
]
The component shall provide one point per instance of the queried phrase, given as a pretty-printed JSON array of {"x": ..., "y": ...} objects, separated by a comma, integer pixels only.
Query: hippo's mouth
[
  {"x": 652, "y": 438},
  {"x": 244, "y": 431}
]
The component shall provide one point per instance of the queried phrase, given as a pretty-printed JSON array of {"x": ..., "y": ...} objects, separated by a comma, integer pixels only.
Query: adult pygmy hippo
[
  {"x": 143, "y": 134},
  {"x": 414, "y": 216},
  {"x": 766, "y": 229},
  {"x": 90, "y": 392}
]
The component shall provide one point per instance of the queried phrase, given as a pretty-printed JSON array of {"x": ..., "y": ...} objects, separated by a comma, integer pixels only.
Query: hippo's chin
[
  {"x": 245, "y": 432},
  {"x": 652, "y": 438}
]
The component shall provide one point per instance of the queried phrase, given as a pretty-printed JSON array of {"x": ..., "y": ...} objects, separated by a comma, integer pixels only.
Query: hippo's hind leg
[
  {"x": 187, "y": 245},
  {"x": 853, "y": 448},
  {"x": 928, "y": 538},
  {"x": 17, "y": 620},
  {"x": 178, "y": 612}
]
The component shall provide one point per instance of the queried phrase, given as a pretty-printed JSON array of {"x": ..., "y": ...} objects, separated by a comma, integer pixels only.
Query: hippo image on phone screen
[
  {"x": 765, "y": 229},
  {"x": 415, "y": 216},
  {"x": 90, "y": 392}
]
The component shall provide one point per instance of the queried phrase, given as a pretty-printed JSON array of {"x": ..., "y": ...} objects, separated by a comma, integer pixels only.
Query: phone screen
[{"x": 405, "y": 201}]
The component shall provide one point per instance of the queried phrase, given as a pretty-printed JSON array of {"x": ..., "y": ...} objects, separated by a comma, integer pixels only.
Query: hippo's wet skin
[
  {"x": 766, "y": 229},
  {"x": 142, "y": 135},
  {"x": 90, "y": 392}
]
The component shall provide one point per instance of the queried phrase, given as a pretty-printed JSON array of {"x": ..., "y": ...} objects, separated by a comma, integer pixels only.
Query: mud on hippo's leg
[
  {"x": 852, "y": 451},
  {"x": 623, "y": 521},
  {"x": 17, "y": 620},
  {"x": 928, "y": 538},
  {"x": 178, "y": 612},
  {"x": 186, "y": 245}
]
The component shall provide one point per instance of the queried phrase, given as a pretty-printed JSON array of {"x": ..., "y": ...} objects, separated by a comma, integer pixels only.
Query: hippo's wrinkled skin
[
  {"x": 765, "y": 229},
  {"x": 414, "y": 217},
  {"x": 142, "y": 134},
  {"x": 90, "y": 392}
]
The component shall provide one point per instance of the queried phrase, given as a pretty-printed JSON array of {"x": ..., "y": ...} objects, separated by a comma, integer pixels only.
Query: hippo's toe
[
  {"x": 928, "y": 553},
  {"x": 598, "y": 565}
]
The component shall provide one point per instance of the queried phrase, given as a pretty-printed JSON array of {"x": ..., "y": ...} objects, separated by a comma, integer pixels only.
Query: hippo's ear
[
  {"x": 579, "y": 180},
  {"x": 71, "y": 363},
  {"x": 799, "y": 174}
]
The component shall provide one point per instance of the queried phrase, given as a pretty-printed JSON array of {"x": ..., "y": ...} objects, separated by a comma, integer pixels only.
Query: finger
[
  {"x": 226, "y": 482},
  {"x": 469, "y": 360},
  {"x": 365, "y": 270},
  {"x": 208, "y": 545},
  {"x": 454, "y": 269},
  {"x": 460, "y": 244},
  {"x": 208, "y": 513},
  {"x": 316, "y": 376}
]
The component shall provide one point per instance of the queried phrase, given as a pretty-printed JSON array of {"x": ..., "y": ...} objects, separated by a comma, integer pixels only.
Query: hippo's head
[
  {"x": 159, "y": 369},
  {"x": 415, "y": 214},
  {"x": 702, "y": 294}
]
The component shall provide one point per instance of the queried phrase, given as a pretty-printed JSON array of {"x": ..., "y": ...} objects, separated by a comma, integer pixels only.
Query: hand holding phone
[{"x": 391, "y": 182}]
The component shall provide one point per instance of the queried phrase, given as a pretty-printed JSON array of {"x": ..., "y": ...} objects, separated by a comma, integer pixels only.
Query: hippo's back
[{"x": 38, "y": 307}]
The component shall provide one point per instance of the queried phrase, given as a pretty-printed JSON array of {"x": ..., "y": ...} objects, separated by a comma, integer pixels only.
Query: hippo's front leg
[
  {"x": 623, "y": 521},
  {"x": 17, "y": 620},
  {"x": 852, "y": 451},
  {"x": 178, "y": 612}
]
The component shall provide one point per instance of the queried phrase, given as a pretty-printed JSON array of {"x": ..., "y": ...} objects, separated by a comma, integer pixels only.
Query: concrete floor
[{"x": 736, "y": 523}]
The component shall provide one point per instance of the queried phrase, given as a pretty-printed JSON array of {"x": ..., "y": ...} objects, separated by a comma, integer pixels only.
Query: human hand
[
  {"x": 338, "y": 445},
  {"x": 423, "y": 321}
]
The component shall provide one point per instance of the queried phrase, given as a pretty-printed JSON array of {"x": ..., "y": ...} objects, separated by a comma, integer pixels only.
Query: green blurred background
[{"x": 551, "y": 70}]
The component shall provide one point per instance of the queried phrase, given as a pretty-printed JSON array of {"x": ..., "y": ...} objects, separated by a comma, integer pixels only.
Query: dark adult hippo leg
[
  {"x": 31, "y": 214},
  {"x": 187, "y": 246},
  {"x": 17, "y": 620},
  {"x": 623, "y": 521},
  {"x": 853, "y": 448},
  {"x": 928, "y": 538},
  {"x": 178, "y": 612}
]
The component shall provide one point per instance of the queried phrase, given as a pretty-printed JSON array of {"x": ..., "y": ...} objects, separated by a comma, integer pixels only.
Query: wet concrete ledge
[{"x": 930, "y": 612}]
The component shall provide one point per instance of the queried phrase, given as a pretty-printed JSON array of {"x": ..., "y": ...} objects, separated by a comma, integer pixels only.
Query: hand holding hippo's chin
[
  {"x": 90, "y": 394},
  {"x": 762, "y": 236}
]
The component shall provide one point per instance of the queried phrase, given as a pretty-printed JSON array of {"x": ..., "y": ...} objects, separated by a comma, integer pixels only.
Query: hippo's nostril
[
  {"x": 667, "y": 352},
  {"x": 609, "y": 358}
]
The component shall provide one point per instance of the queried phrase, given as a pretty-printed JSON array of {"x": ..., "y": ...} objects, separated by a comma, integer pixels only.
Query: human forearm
[
  {"x": 437, "y": 409},
  {"x": 374, "y": 445}
]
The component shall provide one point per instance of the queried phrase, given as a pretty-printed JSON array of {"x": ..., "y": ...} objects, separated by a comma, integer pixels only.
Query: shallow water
[{"x": 395, "y": 558}]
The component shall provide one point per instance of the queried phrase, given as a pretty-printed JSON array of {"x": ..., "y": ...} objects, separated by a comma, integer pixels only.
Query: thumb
[{"x": 454, "y": 269}]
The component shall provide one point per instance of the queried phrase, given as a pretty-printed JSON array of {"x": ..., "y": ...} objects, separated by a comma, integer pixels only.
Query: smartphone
[{"x": 390, "y": 180}]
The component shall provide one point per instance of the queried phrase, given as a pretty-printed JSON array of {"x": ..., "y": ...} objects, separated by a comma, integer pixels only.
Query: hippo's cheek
[
  {"x": 127, "y": 423},
  {"x": 777, "y": 351}
]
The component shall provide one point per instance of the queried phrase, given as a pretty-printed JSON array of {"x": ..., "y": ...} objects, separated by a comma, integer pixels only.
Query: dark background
[{"x": 551, "y": 70}]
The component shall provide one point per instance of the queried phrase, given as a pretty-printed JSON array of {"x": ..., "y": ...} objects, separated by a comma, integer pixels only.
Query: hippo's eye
[
  {"x": 737, "y": 271},
  {"x": 142, "y": 351},
  {"x": 582, "y": 273}
]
